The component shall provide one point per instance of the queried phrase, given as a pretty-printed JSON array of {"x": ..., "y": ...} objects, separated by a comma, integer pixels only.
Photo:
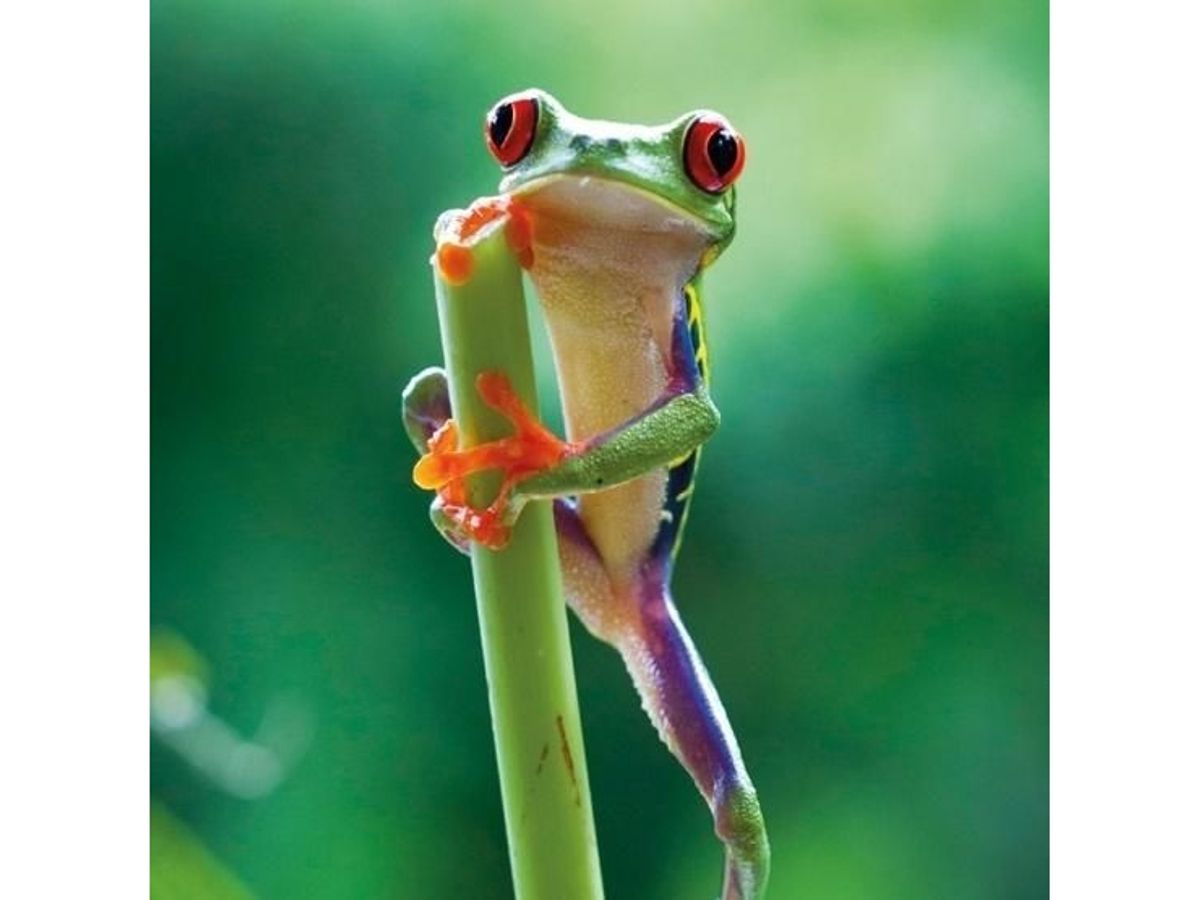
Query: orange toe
[
  {"x": 445, "y": 468},
  {"x": 484, "y": 526}
]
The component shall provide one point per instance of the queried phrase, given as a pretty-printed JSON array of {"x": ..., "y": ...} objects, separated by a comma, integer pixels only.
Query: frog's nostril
[
  {"x": 614, "y": 145},
  {"x": 580, "y": 142}
]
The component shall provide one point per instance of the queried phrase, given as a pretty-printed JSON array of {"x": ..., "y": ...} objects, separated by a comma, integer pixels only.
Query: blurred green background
[{"x": 866, "y": 571}]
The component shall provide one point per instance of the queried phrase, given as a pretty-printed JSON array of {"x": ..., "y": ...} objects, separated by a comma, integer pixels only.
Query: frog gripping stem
[
  {"x": 641, "y": 622},
  {"x": 614, "y": 225},
  {"x": 444, "y": 468},
  {"x": 518, "y": 589}
]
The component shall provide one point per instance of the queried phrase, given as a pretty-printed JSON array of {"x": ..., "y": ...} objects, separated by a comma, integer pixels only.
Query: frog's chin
[{"x": 607, "y": 203}]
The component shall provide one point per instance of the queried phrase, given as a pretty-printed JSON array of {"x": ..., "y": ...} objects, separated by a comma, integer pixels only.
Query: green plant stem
[{"x": 518, "y": 591}]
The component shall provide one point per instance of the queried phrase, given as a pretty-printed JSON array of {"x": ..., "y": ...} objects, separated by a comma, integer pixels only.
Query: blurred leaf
[{"x": 180, "y": 866}]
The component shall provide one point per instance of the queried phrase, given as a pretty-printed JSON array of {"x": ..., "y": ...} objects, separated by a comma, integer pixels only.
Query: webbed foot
[{"x": 445, "y": 468}]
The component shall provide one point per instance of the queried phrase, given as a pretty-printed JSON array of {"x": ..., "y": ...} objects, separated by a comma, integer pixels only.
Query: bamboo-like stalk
[{"x": 518, "y": 591}]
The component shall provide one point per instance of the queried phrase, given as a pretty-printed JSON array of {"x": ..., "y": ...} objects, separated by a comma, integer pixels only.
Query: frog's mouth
[{"x": 607, "y": 203}]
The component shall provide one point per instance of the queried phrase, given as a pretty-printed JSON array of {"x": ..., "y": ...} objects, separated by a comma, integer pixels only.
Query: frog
[{"x": 615, "y": 225}]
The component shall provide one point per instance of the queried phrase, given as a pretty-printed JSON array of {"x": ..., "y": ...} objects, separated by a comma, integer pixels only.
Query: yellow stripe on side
[
  {"x": 695, "y": 321},
  {"x": 699, "y": 338}
]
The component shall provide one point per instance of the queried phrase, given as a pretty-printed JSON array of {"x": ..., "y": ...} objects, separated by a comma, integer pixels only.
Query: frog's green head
[{"x": 652, "y": 178}]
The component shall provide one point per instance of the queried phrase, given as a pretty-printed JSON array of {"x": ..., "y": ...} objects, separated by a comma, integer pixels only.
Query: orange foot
[
  {"x": 530, "y": 450},
  {"x": 457, "y": 230}
]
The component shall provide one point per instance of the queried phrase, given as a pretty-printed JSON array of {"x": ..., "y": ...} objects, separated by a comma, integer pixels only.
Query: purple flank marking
[
  {"x": 569, "y": 526},
  {"x": 684, "y": 373}
]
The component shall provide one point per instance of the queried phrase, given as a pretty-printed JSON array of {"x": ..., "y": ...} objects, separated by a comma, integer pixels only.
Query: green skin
[{"x": 621, "y": 234}]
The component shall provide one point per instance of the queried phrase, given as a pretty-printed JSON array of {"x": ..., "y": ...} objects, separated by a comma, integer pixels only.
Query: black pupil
[
  {"x": 722, "y": 151},
  {"x": 500, "y": 123}
]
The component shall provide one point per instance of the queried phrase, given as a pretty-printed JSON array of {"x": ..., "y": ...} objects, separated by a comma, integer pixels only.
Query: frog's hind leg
[
  {"x": 679, "y": 696},
  {"x": 586, "y": 583},
  {"x": 640, "y": 620}
]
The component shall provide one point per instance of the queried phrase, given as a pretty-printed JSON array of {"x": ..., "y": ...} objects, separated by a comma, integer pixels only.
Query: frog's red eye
[
  {"x": 510, "y": 128},
  {"x": 713, "y": 153}
]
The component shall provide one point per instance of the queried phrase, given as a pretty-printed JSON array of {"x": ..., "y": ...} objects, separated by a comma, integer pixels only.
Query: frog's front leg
[
  {"x": 426, "y": 407},
  {"x": 681, "y": 419},
  {"x": 536, "y": 464}
]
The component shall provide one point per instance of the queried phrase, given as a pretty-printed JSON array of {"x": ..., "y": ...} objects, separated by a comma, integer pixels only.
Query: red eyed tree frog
[{"x": 614, "y": 224}]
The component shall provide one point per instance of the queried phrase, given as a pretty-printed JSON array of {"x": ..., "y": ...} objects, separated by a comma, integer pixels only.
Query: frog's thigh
[{"x": 586, "y": 582}]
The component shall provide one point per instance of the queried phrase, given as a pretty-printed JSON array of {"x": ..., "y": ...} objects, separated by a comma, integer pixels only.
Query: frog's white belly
[{"x": 609, "y": 296}]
